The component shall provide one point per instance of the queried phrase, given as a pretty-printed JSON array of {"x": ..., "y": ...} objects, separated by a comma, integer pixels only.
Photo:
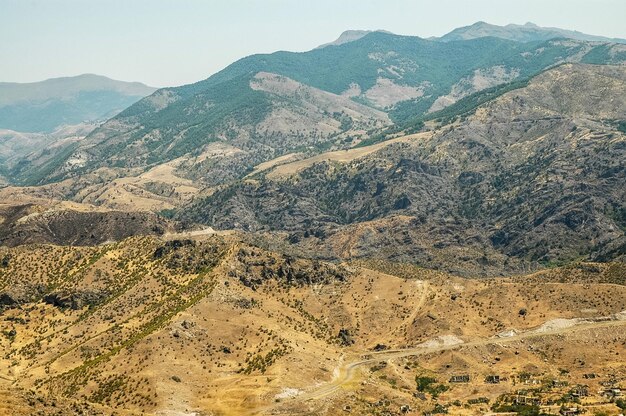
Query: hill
[
  {"x": 42, "y": 107},
  {"x": 214, "y": 325},
  {"x": 17, "y": 147},
  {"x": 349, "y": 36}
]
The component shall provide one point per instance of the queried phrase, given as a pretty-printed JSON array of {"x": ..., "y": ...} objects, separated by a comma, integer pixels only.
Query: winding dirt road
[{"x": 346, "y": 373}]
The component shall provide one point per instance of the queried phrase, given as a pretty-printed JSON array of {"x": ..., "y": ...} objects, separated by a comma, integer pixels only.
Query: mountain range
[
  {"x": 384, "y": 225},
  {"x": 523, "y": 33},
  {"x": 265, "y": 106},
  {"x": 318, "y": 145}
]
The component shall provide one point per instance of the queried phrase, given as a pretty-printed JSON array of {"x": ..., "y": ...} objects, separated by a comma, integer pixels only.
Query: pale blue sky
[{"x": 173, "y": 42}]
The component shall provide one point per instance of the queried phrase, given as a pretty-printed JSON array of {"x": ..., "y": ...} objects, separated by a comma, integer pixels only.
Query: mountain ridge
[
  {"x": 44, "y": 106},
  {"x": 403, "y": 76},
  {"x": 524, "y": 33},
  {"x": 350, "y": 36},
  {"x": 461, "y": 176}
]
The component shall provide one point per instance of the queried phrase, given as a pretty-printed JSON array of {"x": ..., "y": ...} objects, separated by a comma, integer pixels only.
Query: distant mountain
[
  {"x": 42, "y": 107},
  {"x": 522, "y": 33},
  {"x": 266, "y": 106},
  {"x": 350, "y": 36},
  {"x": 15, "y": 145}
]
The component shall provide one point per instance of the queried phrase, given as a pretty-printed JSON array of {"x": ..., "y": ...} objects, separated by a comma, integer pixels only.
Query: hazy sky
[{"x": 173, "y": 42}]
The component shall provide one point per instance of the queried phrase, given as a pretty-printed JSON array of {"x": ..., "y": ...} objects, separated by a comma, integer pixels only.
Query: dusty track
[{"x": 346, "y": 373}]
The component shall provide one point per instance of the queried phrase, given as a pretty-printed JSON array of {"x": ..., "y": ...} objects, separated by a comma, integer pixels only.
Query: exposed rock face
[{"x": 22, "y": 293}]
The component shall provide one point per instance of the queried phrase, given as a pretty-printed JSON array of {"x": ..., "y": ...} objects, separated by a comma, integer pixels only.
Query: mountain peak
[
  {"x": 350, "y": 36},
  {"x": 527, "y": 32}
]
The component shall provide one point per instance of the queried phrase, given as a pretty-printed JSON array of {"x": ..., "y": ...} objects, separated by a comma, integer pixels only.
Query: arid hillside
[{"x": 214, "y": 326}]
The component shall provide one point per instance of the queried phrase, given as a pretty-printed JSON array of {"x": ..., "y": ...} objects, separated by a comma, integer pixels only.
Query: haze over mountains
[
  {"x": 290, "y": 235},
  {"x": 42, "y": 107},
  {"x": 44, "y": 116},
  {"x": 523, "y": 33}
]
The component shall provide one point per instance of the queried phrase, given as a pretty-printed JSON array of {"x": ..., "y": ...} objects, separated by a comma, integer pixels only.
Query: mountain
[
  {"x": 268, "y": 106},
  {"x": 41, "y": 224},
  {"x": 529, "y": 32},
  {"x": 42, "y": 107},
  {"x": 531, "y": 178}
]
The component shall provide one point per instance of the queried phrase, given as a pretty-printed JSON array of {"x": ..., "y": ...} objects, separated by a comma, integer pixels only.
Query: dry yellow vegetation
[{"x": 211, "y": 325}]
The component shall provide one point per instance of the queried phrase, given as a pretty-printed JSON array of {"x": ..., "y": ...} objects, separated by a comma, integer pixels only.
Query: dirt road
[{"x": 346, "y": 373}]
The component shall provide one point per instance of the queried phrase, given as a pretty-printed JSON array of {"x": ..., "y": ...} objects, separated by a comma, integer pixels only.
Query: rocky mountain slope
[
  {"x": 387, "y": 226},
  {"x": 528, "y": 32},
  {"x": 534, "y": 177},
  {"x": 18, "y": 149},
  {"x": 43, "y": 107},
  {"x": 331, "y": 97}
]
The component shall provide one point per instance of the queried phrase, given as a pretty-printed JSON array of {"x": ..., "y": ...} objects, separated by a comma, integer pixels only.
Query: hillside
[
  {"x": 214, "y": 325},
  {"x": 64, "y": 224},
  {"x": 528, "y": 32},
  {"x": 402, "y": 76},
  {"x": 43, "y": 107},
  {"x": 532, "y": 178}
]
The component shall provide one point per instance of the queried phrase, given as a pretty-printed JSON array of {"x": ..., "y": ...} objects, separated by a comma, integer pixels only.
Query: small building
[
  {"x": 460, "y": 379},
  {"x": 492, "y": 379},
  {"x": 580, "y": 391},
  {"x": 570, "y": 411},
  {"x": 559, "y": 383},
  {"x": 527, "y": 400},
  {"x": 612, "y": 393}
]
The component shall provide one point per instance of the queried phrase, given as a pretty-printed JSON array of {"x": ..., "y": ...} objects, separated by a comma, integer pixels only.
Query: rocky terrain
[
  {"x": 267, "y": 106},
  {"x": 38, "y": 224}
]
